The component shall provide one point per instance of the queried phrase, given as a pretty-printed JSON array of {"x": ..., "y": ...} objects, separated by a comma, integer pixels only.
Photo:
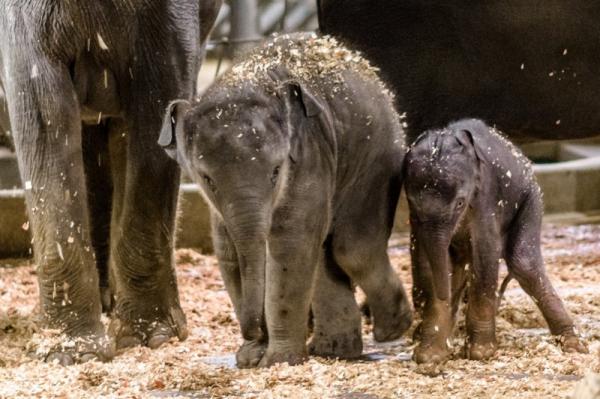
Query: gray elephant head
[
  {"x": 239, "y": 145},
  {"x": 441, "y": 176}
]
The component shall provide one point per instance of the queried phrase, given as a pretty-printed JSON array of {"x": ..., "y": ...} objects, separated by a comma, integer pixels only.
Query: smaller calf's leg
[
  {"x": 460, "y": 256},
  {"x": 430, "y": 262},
  {"x": 525, "y": 262},
  {"x": 481, "y": 308}
]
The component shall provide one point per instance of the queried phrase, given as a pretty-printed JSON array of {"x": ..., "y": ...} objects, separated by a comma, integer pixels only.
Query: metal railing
[{"x": 243, "y": 23}]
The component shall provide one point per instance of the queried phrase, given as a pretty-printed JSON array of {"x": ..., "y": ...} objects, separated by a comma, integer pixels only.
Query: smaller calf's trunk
[{"x": 435, "y": 245}]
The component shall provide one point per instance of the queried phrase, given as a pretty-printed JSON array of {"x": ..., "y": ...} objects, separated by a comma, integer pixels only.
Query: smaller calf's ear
[
  {"x": 172, "y": 123},
  {"x": 467, "y": 138}
]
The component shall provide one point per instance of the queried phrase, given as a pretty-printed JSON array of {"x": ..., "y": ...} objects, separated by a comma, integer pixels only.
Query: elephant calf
[
  {"x": 298, "y": 151},
  {"x": 473, "y": 200}
]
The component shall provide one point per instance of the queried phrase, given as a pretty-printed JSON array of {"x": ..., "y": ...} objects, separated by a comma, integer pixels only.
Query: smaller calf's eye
[
  {"x": 460, "y": 203},
  {"x": 275, "y": 175},
  {"x": 210, "y": 183}
]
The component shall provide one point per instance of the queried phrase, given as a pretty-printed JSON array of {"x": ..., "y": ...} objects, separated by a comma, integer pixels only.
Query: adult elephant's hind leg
[
  {"x": 337, "y": 323},
  {"x": 147, "y": 310},
  {"x": 47, "y": 130}
]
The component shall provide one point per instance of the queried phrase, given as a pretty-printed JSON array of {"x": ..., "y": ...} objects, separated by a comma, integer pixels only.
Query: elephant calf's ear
[
  {"x": 172, "y": 123},
  {"x": 310, "y": 104},
  {"x": 474, "y": 143}
]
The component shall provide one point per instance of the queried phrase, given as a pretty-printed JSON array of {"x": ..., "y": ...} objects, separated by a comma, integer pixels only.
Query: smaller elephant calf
[
  {"x": 474, "y": 200},
  {"x": 298, "y": 150}
]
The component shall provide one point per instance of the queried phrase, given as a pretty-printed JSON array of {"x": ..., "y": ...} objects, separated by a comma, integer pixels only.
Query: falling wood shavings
[{"x": 101, "y": 42}]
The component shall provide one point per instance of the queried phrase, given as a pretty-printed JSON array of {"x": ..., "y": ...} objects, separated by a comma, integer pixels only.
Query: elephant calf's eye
[
  {"x": 460, "y": 203},
  {"x": 210, "y": 183},
  {"x": 275, "y": 175}
]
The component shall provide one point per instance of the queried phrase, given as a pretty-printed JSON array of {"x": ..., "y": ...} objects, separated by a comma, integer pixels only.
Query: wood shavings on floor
[{"x": 528, "y": 363}]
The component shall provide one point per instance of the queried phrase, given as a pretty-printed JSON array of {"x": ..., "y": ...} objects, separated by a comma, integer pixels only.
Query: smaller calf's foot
[
  {"x": 434, "y": 333},
  {"x": 432, "y": 353},
  {"x": 481, "y": 351},
  {"x": 571, "y": 343},
  {"x": 481, "y": 342}
]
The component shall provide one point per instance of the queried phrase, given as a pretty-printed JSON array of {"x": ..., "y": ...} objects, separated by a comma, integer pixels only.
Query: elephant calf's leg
[
  {"x": 460, "y": 256},
  {"x": 525, "y": 262},
  {"x": 294, "y": 250},
  {"x": 337, "y": 323},
  {"x": 359, "y": 246},
  {"x": 366, "y": 261},
  {"x": 482, "y": 299}
]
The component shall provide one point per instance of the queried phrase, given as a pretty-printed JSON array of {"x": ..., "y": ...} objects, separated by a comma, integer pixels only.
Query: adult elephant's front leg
[
  {"x": 47, "y": 130},
  {"x": 146, "y": 182},
  {"x": 294, "y": 248}
]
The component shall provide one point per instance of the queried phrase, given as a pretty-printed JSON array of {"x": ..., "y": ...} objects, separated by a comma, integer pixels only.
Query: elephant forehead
[
  {"x": 225, "y": 146},
  {"x": 256, "y": 135}
]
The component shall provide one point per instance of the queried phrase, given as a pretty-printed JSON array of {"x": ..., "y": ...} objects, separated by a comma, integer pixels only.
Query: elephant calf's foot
[
  {"x": 481, "y": 350},
  {"x": 81, "y": 349},
  {"x": 250, "y": 354},
  {"x": 151, "y": 333},
  {"x": 571, "y": 343},
  {"x": 291, "y": 358},
  {"x": 341, "y": 345},
  {"x": 432, "y": 352},
  {"x": 434, "y": 346},
  {"x": 394, "y": 325},
  {"x": 481, "y": 342}
]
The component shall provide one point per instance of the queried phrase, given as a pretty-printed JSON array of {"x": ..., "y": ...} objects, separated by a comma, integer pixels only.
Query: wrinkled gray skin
[
  {"x": 303, "y": 189},
  {"x": 473, "y": 200},
  {"x": 86, "y": 84}
]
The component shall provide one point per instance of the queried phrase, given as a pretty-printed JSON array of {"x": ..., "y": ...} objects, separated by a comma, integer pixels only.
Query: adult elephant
[
  {"x": 529, "y": 67},
  {"x": 86, "y": 85}
]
